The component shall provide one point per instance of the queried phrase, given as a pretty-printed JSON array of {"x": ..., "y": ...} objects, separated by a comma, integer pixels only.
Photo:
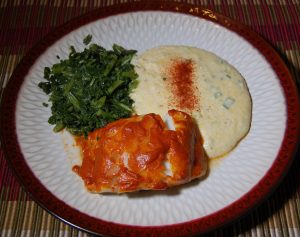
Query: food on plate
[
  {"x": 201, "y": 84},
  {"x": 142, "y": 153},
  {"x": 91, "y": 88},
  {"x": 113, "y": 102}
]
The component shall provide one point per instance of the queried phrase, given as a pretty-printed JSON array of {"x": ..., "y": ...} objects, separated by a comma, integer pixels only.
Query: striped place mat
[{"x": 24, "y": 22}]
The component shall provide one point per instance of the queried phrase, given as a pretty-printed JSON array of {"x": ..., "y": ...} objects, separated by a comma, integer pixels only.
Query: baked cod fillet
[{"x": 142, "y": 153}]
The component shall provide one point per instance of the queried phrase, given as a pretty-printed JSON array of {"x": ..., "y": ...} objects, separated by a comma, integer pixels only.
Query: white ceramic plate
[{"x": 230, "y": 178}]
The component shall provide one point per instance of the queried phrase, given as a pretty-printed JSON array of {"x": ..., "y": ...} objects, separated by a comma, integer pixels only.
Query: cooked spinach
[
  {"x": 87, "y": 39},
  {"x": 91, "y": 88}
]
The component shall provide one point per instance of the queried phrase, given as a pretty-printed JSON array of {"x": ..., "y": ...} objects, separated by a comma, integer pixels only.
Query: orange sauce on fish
[{"x": 130, "y": 154}]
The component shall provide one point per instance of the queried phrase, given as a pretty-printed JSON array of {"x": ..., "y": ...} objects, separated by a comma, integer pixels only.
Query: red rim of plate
[{"x": 201, "y": 225}]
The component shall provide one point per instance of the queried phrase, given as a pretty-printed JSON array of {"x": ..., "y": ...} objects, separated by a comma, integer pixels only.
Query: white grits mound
[{"x": 223, "y": 111}]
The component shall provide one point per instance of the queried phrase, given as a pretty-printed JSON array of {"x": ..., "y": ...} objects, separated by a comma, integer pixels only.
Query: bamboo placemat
[{"x": 23, "y": 23}]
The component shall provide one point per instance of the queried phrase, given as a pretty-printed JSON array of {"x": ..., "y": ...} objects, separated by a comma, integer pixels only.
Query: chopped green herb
[
  {"x": 132, "y": 85},
  {"x": 45, "y": 104},
  {"x": 58, "y": 127},
  {"x": 114, "y": 86},
  {"x": 91, "y": 88},
  {"x": 87, "y": 39},
  {"x": 164, "y": 78},
  {"x": 228, "y": 102}
]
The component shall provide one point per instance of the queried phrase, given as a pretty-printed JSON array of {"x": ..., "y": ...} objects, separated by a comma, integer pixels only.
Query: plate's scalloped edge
[{"x": 93, "y": 225}]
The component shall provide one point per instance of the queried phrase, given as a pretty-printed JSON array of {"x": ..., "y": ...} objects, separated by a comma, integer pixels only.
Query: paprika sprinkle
[{"x": 180, "y": 74}]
